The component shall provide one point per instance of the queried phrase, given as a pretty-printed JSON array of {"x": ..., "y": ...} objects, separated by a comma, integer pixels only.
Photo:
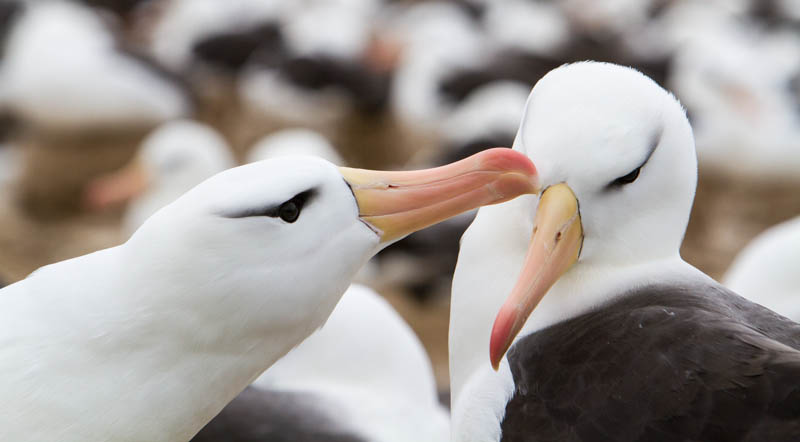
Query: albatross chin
[
  {"x": 150, "y": 339},
  {"x": 627, "y": 341}
]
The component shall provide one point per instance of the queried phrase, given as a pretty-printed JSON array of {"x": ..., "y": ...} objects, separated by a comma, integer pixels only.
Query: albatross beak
[
  {"x": 395, "y": 204},
  {"x": 555, "y": 245},
  {"x": 116, "y": 187}
]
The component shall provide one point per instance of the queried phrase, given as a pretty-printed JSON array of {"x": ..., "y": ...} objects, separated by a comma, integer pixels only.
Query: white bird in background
[
  {"x": 322, "y": 78},
  {"x": 436, "y": 38},
  {"x": 296, "y": 141},
  {"x": 183, "y": 23},
  {"x": 535, "y": 27},
  {"x": 171, "y": 160},
  {"x": 149, "y": 340},
  {"x": 266, "y": 91},
  {"x": 62, "y": 68},
  {"x": 365, "y": 366},
  {"x": 337, "y": 28},
  {"x": 611, "y": 17},
  {"x": 627, "y": 341},
  {"x": 492, "y": 110},
  {"x": 735, "y": 82},
  {"x": 766, "y": 270}
]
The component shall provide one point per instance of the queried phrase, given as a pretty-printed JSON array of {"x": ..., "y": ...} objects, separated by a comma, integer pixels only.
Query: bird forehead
[
  {"x": 586, "y": 95},
  {"x": 586, "y": 123},
  {"x": 271, "y": 181},
  {"x": 295, "y": 175},
  {"x": 600, "y": 152}
]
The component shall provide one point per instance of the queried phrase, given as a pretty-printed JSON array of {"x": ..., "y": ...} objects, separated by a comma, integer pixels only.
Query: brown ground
[{"x": 729, "y": 212}]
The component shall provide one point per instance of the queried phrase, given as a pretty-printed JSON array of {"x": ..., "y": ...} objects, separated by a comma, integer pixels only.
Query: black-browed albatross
[
  {"x": 628, "y": 341},
  {"x": 175, "y": 157},
  {"x": 149, "y": 340}
]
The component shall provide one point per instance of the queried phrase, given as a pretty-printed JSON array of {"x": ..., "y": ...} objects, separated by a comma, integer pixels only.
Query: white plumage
[
  {"x": 185, "y": 22},
  {"x": 766, "y": 270},
  {"x": 369, "y": 364},
  {"x": 294, "y": 142},
  {"x": 62, "y": 69},
  {"x": 150, "y": 339},
  {"x": 618, "y": 251}
]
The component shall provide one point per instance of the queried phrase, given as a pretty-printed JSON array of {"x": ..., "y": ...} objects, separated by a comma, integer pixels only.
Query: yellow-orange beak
[
  {"x": 117, "y": 187},
  {"x": 554, "y": 247},
  {"x": 395, "y": 204}
]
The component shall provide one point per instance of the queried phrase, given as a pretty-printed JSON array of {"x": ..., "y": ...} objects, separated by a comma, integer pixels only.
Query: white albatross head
[
  {"x": 275, "y": 243},
  {"x": 617, "y": 168}
]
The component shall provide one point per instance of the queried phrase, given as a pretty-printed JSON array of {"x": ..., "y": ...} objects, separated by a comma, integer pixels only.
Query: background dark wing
[
  {"x": 258, "y": 415},
  {"x": 654, "y": 372}
]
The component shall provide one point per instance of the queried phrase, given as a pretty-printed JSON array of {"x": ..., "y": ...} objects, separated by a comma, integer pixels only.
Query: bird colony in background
[
  {"x": 181, "y": 89},
  {"x": 386, "y": 83},
  {"x": 121, "y": 107}
]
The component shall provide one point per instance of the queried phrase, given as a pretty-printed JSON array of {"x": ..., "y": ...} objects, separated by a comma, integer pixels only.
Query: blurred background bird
[{"x": 91, "y": 90}]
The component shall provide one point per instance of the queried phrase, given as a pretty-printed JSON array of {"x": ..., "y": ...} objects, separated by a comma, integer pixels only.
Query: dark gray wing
[
  {"x": 662, "y": 364},
  {"x": 258, "y": 415}
]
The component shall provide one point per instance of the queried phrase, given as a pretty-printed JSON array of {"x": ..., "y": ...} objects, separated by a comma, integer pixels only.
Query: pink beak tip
[
  {"x": 503, "y": 158},
  {"x": 501, "y": 335}
]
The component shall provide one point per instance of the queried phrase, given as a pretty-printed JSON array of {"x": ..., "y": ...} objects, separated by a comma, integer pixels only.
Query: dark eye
[
  {"x": 289, "y": 211},
  {"x": 629, "y": 178}
]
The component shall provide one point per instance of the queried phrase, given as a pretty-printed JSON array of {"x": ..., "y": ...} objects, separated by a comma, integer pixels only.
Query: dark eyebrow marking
[
  {"x": 272, "y": 210},
  {"x": 655, "y": 141}
]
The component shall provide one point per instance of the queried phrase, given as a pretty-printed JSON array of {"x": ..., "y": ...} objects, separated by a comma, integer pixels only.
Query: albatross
[
  {"x": 627, "y": 341},
  {"x": 149, "y": 340},
  {"x": 765, "y": 271},
  {"x": 175, "y": 157}
]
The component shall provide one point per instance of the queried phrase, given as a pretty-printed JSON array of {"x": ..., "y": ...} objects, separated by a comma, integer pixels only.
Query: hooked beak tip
[
  {"x": 554, "y": 247},
  {"x": 502, "y": 334}
]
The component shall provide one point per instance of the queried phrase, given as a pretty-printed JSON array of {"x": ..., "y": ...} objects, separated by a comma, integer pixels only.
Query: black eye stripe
[
  {"x": 634, "y": 174},
  {"x": 288, "y": 211},
  {"x": 627, "y": 179}
]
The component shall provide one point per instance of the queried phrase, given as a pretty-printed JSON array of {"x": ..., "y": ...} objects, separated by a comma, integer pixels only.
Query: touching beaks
[
  {"x": 395, "y": 204},
  {"x": 555, "y": 245}
]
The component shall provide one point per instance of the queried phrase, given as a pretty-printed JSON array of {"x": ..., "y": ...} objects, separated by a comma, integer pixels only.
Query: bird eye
[
  {"x": 629, "y": 178},
  {"x": 289, "y": 211}
]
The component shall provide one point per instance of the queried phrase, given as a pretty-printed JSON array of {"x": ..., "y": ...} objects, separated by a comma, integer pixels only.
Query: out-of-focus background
[{"x": 110, "y": 109}]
